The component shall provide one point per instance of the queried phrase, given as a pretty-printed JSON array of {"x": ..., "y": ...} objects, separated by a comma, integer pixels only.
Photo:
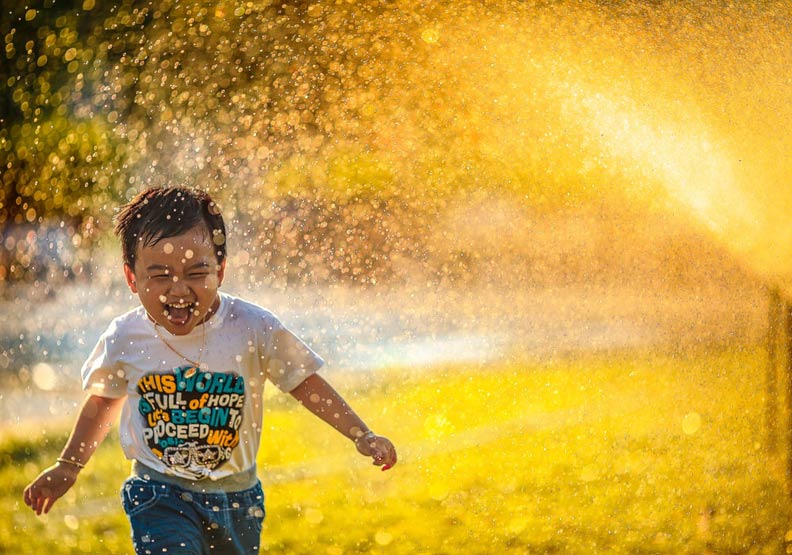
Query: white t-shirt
[{"x": 192, "y": 422}]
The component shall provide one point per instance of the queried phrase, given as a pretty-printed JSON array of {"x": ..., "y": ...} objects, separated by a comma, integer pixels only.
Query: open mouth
[{"x": 179, "y": 313}]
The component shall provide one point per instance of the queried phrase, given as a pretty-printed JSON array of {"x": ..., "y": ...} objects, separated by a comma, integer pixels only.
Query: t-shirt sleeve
[
  {"x": 289, "y": 360},
  {"x": 101, "y": 374}
]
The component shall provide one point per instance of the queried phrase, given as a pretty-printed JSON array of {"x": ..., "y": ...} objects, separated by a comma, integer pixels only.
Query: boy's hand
[
  {"x": 377, "y": 447},
  {"x": 50, "y": 486}
]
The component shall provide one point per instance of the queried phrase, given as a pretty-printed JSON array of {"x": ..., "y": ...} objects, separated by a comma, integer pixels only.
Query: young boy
[{"x": 187, "y": 370}]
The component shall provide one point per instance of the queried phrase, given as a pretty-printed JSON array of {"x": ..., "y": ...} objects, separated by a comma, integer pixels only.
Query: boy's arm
[
  {"x": 94, "y": 421},
  {"x": 320, "y": 398}
]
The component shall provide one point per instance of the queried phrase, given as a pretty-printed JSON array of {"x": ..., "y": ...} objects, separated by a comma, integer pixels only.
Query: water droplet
[
  {"x": 691, "y": 423},
  {"x": 518, "y": 524},
  {"x": 44, "y": 376},
  {"x": 71, "y": 522},
  {"x": 438, "y": 491},
  {"x": 430, "y": 36},
  {"x": 383, "y": 537},
  {"x": 589, "y": 473},
  {"x": 314, "y": 516}
]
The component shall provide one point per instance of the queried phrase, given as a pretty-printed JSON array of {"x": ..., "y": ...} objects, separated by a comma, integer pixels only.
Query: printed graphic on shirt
[{"x": 192, "y": 418}]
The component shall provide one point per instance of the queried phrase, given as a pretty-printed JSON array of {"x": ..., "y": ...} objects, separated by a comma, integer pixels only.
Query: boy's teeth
[{"x": 178, "y": 313}]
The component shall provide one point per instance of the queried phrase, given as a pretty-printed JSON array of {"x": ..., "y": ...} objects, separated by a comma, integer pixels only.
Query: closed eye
[{"x": 199, "y": 270}]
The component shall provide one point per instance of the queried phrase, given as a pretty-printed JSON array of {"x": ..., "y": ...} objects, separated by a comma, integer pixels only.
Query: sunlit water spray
[
  {"x": 315, "y": 125},
  {"x": 697, "y": 173},
  {"x": 680, "y": 108}
]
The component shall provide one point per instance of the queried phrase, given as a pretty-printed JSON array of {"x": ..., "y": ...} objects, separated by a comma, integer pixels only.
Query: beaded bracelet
[{"x": 67, "y": 461}]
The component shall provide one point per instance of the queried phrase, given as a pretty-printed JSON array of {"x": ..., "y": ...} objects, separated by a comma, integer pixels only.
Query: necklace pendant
[{"x": 190, "y": 372}]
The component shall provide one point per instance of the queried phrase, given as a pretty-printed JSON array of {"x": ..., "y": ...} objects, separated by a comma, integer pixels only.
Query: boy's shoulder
[
  {"x": 129, "y": 322},
  {"x": 237, "y": 308}
]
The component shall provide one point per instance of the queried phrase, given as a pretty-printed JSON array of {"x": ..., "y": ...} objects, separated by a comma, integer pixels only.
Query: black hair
[{"x": 161, "y": 212}]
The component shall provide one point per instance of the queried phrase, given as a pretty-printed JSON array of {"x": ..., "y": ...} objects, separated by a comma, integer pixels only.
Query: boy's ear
[
  {"x": 221, "y": 272},
  {"x": 130, "y": 278}
]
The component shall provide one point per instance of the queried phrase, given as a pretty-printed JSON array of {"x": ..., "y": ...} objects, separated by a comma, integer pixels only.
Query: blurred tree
[{"x": 59, "y": 151}]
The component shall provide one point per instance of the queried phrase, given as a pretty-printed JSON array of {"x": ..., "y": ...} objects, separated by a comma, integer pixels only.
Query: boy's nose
[{"x": 178, "y": 287}]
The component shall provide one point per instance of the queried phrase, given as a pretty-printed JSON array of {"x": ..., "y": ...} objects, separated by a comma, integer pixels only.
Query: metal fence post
[
  {"x": 771, "y": 372},
  {"x": 787, "y": 315}
]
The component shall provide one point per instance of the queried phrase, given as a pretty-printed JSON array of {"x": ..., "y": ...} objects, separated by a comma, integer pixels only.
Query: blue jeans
[{"x": 170, "y": 520}]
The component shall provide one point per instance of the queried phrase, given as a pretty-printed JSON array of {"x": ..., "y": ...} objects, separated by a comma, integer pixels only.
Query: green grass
[{"x": 632, "y": 454}]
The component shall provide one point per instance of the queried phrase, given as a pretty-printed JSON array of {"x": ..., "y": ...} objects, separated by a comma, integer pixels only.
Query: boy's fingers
[
  {"x": 48, "y": 502},
  {"x": 33, "y": 499},
  {"x": 39, "y": 499},
  {"x": 385, "y": 457}
]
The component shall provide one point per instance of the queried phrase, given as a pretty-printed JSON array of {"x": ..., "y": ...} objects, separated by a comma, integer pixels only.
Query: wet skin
[{"x": 177, "y": 280}]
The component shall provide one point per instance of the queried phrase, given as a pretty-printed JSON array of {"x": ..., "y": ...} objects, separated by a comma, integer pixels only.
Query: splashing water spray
[
  {"x": 339, "y": 117},
  {"x": 680, "y": 106}
]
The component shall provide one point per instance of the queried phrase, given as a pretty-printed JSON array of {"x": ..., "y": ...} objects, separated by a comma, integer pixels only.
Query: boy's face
[{"x": 177, "y": 279}]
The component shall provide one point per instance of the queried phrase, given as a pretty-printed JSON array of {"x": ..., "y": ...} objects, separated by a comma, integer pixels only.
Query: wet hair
[{"x": 161, "y": 212}]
